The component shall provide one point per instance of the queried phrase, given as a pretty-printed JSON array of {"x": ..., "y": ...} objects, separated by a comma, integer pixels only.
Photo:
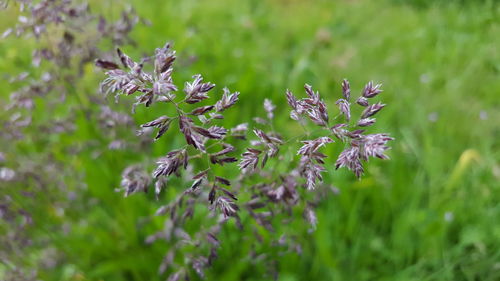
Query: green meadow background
[{"x": 430, "y": 213}]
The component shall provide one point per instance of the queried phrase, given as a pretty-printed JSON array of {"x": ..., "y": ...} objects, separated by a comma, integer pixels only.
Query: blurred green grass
[{"x": 430, "y": 213}]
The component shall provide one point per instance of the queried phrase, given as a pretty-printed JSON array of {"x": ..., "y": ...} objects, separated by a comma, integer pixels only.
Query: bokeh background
[{"x": 430, "y": 213}]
